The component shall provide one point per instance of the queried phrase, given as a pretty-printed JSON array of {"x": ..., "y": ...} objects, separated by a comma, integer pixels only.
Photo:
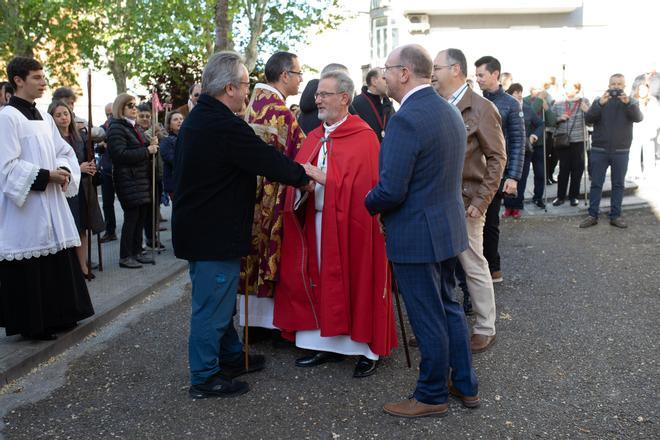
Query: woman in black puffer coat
[{"x": 129, "y": 153}]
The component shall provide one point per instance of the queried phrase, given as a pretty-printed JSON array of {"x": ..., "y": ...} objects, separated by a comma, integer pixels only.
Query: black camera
[{"x": 615, "y": 93}]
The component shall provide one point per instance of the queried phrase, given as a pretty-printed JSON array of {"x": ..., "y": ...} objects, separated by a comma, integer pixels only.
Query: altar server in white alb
[{"x": 42, "y": 289}]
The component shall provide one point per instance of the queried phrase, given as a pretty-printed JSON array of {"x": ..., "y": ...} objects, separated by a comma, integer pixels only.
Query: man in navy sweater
[{"x": 513, "y": 127}]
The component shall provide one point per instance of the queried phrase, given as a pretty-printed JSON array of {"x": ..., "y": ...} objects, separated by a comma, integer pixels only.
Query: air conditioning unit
[{"x": 419, "y": 23}]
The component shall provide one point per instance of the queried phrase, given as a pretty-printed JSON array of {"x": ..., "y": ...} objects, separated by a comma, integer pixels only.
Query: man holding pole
[
  {"x": 217, "y": 159},
  {"x": 419, "y": 200}
]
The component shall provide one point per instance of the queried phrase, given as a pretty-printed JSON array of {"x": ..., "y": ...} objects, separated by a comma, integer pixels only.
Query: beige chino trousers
[{"x": 479, "y": 281}]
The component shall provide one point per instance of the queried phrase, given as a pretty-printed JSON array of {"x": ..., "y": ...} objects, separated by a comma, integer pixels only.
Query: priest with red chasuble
[{"x": 334, "y": 292}]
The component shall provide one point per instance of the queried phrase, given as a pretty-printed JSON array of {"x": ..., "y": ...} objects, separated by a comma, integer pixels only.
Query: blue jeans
[
  {"x": 439, "y": 324},
  {"x": 212, "y": 333},
  {"x": 599, "y": 161}
]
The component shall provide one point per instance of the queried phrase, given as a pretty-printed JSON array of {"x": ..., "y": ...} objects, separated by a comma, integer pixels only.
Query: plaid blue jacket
[{"x": 419, "y": 190}]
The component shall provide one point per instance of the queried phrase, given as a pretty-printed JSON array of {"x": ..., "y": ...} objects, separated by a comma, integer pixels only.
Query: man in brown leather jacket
[{"x": 485, "y": 159}]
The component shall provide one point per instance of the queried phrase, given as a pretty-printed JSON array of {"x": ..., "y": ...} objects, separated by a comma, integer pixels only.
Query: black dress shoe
[
  {"x": 108, "y": 237},
  {"x": 218, "y": 386},
  {"x": 230, "y": 370},
  {"x": 129, "y": 263},
  {"x": 574, "y": 202},
  {"x": 558, "y": 202},
  {"x": 365, "y": 367},
  {"x": 539, "y": 203},
  {"x": 144, "y": 259},
  {"x": 45, "y": 336},
  {"x": 159, "y": 246},
  {"x": 319, "y": 358}
]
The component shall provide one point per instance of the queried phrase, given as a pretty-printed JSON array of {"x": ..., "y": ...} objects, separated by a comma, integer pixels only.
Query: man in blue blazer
[{"x": 418, "y": 197}]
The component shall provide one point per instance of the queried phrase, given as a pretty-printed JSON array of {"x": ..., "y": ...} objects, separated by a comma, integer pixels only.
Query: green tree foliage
[
  {"x": 45, "y": 30},
  {"x": 163, "y": 42}
]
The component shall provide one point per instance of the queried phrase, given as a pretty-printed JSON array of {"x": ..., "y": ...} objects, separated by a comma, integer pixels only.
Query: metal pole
[
  {"x": 585, "y": 137},
  {"x": 545, "y": 168},
  {"x": 395, "y": 291}
]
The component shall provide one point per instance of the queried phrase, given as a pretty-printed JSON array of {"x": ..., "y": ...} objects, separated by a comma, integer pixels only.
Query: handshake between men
[{"x": 314, "y": 173}]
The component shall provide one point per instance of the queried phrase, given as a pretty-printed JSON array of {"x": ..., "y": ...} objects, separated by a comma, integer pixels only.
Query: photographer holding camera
[{"x": 612, "y": 116}]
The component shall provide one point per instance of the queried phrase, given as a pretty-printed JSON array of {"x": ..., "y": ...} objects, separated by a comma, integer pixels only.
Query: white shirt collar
[
  {"x": 330, "y": 128},
  {"x": 131, "y": 121},
  {"x": 407, "y": 95},
  {"x": 270, "y": 89},
  {"x": 458, "y": 94}
]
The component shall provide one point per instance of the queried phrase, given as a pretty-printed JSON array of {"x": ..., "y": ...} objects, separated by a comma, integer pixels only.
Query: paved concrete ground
[
  {"x": 112, "y": 292},
  {"x": 576, "y": 357}
]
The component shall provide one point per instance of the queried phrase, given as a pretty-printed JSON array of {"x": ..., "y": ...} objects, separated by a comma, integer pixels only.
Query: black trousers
[
  {"x": 148, "y": 220},
  {"x": 492, "y": 233},
  {"x": 108, "y": 193},
  {"x": 571, "y": 165},
  {"x": 551, "y": 157},
  {"x": 131, "y": 231}
]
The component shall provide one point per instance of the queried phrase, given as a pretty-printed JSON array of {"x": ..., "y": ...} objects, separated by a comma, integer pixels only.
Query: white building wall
[{"x": 588, "y": 44}]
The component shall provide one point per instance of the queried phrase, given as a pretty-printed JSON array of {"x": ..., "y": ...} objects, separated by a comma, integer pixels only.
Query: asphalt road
[{"x": 576, "y": 357}]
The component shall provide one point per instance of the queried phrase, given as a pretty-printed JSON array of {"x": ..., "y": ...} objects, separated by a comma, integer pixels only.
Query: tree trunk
[
  {"x": 255, "y": 9},
  {"x": 22, "y": 46},
  {"x": 118, "y": 71},
  {"x": 223, "y": 40}
]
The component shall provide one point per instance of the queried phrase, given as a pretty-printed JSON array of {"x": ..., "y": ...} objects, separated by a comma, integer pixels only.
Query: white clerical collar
[
  {"x": 407, "y": 95},
  {"x": 330, "y": 128},
  {"x": 458, "y": 94},
  {"x": 270, "y": 89}
]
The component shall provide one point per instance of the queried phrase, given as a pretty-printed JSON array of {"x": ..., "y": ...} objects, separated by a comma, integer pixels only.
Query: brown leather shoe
[
  {"x": 468, "y": 401},
  {"x": 411, "y": 408},
  {"x": 480, "y": 343}
]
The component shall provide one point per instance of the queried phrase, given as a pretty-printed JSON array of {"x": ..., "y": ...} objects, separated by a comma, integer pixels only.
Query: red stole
[{"x": 352, "y": 294}]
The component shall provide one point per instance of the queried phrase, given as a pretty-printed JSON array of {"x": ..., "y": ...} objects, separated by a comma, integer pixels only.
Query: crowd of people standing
[{"x": 308, "y": 219}]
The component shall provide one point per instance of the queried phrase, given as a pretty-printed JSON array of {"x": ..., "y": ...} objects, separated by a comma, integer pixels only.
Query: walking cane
[
  {"x": 154, "y": 121},
  {"x": 395, "y": 291},
  {"x": 246, "y": 336},
  {"x": 93, "y": 195},
  {"x": 545, "y": 167},
  {"x": 585, "y": 137}
]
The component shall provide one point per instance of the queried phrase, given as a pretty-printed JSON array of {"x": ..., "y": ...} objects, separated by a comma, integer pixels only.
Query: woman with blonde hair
[{"x": 129, "y": 153}]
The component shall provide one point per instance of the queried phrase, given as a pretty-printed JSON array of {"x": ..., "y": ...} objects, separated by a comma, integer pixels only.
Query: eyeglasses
[
  {"x": 131, "y": 105},
  {"x": 398, "y": 66},
  {"x": 300, "y": 74},
  {"x": 324, "y": 95},
  {"x": 442, "y": 67}
]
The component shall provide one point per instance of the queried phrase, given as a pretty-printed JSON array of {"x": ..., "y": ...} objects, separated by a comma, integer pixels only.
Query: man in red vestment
[{"x": 333, "y": 295}]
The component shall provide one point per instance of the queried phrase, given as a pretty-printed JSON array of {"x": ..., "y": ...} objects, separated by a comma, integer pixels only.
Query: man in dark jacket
[
  {"x": 612, "y": 115},
  {"x": 217, "y": 159},
  {"x": 373, "y": 105},
  {"x": 513, "y": 127}
]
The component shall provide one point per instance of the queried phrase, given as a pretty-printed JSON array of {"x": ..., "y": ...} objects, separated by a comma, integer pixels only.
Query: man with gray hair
[
  {"x": 218, "y": 157},
  {"x": 347, "y": 308},
  {"x": 308, "y": 118},
  {"x": 484, "y": 163}
]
